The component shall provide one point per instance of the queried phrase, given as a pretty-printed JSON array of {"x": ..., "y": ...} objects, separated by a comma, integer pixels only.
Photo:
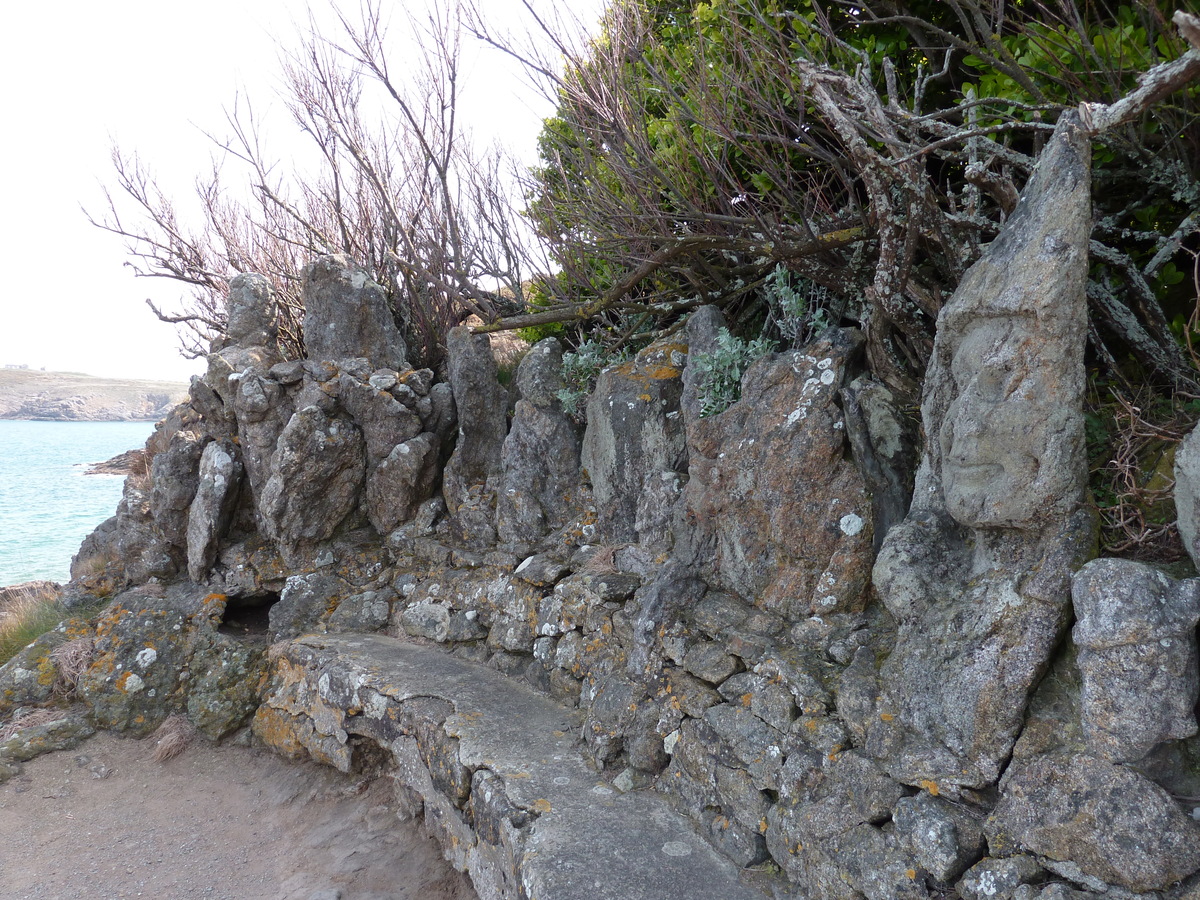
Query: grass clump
[
  {"x": 28, "y": 614},
  {"x": 172, "y": 738}
]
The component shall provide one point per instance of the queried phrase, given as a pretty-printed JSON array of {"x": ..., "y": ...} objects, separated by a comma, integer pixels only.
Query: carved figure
[{"x": 978, "y": 575}]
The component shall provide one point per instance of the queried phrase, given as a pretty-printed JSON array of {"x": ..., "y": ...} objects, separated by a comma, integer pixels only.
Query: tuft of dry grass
[
  {"x": 29, "y": 718},
  {"x": 71, "y": 660},
  {"x": 172, "y": 738},
  {"x": 603, "y": 561}
]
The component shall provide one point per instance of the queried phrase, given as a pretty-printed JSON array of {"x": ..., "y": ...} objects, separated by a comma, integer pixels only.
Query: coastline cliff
[{"x": 75, "y": 397}]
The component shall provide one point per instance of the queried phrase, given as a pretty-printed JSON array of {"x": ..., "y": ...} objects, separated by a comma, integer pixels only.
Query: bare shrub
[{"x": 408, "y": 195}]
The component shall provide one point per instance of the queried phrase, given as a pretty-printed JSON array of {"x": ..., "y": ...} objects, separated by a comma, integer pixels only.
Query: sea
[{"x": 47, "y": 504}]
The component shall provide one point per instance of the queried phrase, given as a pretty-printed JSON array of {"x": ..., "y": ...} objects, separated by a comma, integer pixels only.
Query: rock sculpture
[{"x": 977, "y": 576}]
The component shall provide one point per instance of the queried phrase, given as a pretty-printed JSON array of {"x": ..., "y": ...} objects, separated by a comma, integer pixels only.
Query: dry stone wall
[{"x": 853, "y": 685}]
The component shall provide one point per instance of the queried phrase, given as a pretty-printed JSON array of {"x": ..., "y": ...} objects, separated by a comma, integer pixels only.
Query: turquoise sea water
[{"x": 47, "y": 504}]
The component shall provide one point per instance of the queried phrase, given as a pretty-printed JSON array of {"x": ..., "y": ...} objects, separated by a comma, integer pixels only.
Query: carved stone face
[{"x": 1007, "y": 441}]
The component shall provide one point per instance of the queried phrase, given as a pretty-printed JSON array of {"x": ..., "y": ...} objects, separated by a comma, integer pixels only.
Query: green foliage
[
  {"x": 689, "y": 158},
  {"x": 796, "y": 313},
  {"x": 720, "y": 371},
  {"x": 537, "y": 298},
  {"x": 580, "y": 369}
]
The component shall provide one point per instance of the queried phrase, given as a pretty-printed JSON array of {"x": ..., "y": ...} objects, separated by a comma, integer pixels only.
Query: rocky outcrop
[{"x": 855, "y": 679}]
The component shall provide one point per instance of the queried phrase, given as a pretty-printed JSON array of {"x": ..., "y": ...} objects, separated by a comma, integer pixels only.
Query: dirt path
[{"x": 105, "y": 822}]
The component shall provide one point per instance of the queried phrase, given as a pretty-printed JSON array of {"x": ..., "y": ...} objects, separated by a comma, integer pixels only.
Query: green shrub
[
  {"x": 580, "y": 369},
  {"x": 796, "y": 313},
  {"x": 721, "y": 371}
]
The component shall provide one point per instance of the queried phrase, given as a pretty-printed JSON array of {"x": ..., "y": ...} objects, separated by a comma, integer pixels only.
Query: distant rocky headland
[{"x": 74, "y": 397}]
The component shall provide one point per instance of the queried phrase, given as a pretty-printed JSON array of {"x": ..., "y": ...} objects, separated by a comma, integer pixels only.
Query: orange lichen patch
[
  {"x": 541, "y": 805},
  {"x": 930, "y": 786},
  {"x": 887, "y": 717},
  {"x": 762, "y": 825},
  {"x": 645, "y": 398},
  {"x": 747, "y": 699},
  {"x": 911, "y": 873},
  {"x": 123, "y": 680},
  {"x": 77, "y": 628},
  {"x": 275, "y": 728},
  {"x": 811, "y": 724}
]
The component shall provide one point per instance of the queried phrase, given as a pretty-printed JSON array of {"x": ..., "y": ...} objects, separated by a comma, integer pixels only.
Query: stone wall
[{"x": 867, "y": 696}]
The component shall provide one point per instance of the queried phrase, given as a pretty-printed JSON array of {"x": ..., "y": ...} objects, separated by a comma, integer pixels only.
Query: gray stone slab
[{"x": 589, "y": 841}]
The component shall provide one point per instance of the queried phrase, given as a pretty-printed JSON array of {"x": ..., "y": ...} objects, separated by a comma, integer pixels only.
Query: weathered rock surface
[
  {"x": 977, "y": 576},
  {"x": 539, "y": 481},
  {"x": 1136, "y": 630},
  {"x": 741, "y": 498},
  {"x": 212, "y": 506},
  {"x": 157, "y": 653},
  {"x": 1095, "y": 823},
  {"x": 346, "y": 315},
  {"x": 317, "y": 479},
  {"x": 482, "y": 405},
  {"x": 250, "y": 312},
  {"x": 634, "y": 438}
]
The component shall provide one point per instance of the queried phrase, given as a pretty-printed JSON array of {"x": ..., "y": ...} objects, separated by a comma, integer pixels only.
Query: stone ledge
[{"x": 496, "y": 770}]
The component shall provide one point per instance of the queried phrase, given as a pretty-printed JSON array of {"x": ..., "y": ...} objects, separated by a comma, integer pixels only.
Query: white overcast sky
[{"x": 148, "y": 75}]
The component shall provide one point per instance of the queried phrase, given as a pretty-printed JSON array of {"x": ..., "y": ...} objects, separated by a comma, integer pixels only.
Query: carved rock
[{"x": 977, "y": 576}]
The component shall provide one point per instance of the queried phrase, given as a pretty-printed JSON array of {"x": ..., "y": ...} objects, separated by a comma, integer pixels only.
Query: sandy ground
[{"x": 104, "y": 821}]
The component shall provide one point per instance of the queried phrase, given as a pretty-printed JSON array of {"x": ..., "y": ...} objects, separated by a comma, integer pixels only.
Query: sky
[{"x": 151, "y": 77}]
